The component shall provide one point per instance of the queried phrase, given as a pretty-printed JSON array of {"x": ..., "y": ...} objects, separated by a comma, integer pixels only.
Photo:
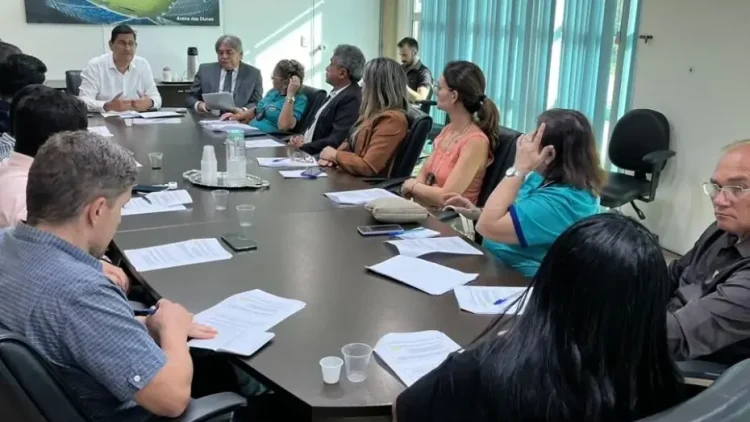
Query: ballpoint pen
[
  {"x": 145, "y": 312},
  {"x": 505, "y": 299}
]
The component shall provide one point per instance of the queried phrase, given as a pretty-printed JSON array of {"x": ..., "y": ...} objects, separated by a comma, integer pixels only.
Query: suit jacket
[
  {"x": 247, "y": 91},
  {"x": 375, "y": 145},
  {"x": 336, "y": 120}
]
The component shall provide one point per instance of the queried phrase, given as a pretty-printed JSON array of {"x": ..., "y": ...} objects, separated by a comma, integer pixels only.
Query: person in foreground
[
  {"x": 120, "y": 80},
  {"x": 590, "y": 345},
  {"x": 16, "y": 72},
  {"x": 418, "y": 76},
  {"x": 228, "y": 74},
  {"x": 283, "y": 106},
  {"x": 336, "y": 116},
  {"x": 6, "y": 141},
  {"x": 555, "y": 181},
  {"x": 55, "y": 295},
  {"x": 708, "y": 316},
  {"x": 463, "y": 150},
  {"x": 382, "y": 124}
]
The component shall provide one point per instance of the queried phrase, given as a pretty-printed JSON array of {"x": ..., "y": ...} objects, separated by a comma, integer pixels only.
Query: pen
[
  {"x": 276, "y": 160},
  {"x": 503, "y": 300},
  {"x": 145, "y": 312}
]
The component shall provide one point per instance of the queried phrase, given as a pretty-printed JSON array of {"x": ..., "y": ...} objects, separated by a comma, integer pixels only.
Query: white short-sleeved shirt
[{"x": 101, "y": 82}]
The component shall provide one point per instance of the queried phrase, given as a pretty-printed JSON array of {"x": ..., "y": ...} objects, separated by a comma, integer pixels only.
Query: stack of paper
[
  {"x": 168, "y": 198},
  {"x": 145, "y": 115},
  {"x": 359, "y": 197},
  {"x": 297, "y": 174},
  {"x": 196, "y": 251},
  {"x": 448, "y": 245},
  {"x": 287, "y": 162},
  {"x": 170, "y": 120},
  {"x": 101, "y": 131},
  {"x": 262, "y": 143},
  {"x": 137, "y": 206},
  {"x": 418, "y": 233},
  {"x": 242, "y": 320},
  {"x": 427, "y": 276},
  {"x": 227, "y": 125},
  {"x": 482, "y": 299},
  {"x": 412, "y": 355}
]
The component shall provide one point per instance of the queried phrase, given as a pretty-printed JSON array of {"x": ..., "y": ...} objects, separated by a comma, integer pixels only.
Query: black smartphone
[
  {"x": 238, "y": 242},
  {"x": 381, "y": 230},
  {"x": 312, "y": 172},
  {"x": 148, "y": 188}
]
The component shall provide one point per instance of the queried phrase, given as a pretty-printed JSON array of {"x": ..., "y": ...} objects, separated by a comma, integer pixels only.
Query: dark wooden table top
[{"x": 310, "y": 250}]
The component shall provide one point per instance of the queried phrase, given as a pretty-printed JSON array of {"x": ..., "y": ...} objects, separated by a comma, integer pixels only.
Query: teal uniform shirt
[{"x": 269, "y": 108}]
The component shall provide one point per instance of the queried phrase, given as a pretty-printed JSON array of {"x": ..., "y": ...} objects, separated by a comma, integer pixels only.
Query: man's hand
[
  {"x": 202, "y": 107},
  {"x": 118, "y": 104},
  {"x": 328, "y": 154},
  {"x": 143, "y": 103},
  {"x": 324, "y": 163},
  {"x": 202, "y": 332},
  {"x": 116, "y": 275},
  {"x": 294, "y": 86},
  {"x": 170, "y": 319},
  {"x": 296, "y": 141}
]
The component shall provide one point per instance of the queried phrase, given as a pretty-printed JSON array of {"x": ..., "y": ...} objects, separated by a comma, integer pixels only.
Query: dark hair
[
  {"x": 38, "y": 112},
  {"x": 468, "y": 81},
  {"x": 288, "y": 68},
  {"x": 18, "y": 71},
  {"x": 576, "y": 160},
  {"x": 409, "y": 42},
  {"x": 121, "y": 30},
  {"x": 592, "y": 342},
  {"x": 7, "y": 49}
]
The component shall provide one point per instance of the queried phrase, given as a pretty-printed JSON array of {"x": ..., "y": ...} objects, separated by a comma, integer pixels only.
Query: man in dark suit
[
  {"x": 336, "y": 116},
  {"x": 229, "y": 74}
]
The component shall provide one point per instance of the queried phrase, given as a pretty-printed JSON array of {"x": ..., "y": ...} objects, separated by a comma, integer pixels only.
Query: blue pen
[
  {"x": 501, "y": 301},
  {"x": 145, "y": 312},
  {"x": 276, "y": 160}
]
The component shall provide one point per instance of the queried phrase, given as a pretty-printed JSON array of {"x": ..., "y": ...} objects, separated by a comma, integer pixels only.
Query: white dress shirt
[
  {"x": 101, "y": 82},
  {"x": 311, "y": 130}
]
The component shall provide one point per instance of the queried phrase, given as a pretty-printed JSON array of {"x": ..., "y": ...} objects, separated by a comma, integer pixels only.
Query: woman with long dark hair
[{"x": 590, "y": 346}]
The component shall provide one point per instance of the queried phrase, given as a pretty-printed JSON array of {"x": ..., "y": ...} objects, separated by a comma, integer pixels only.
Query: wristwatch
[
  {"x": 514, "y": 172},
  {"x": 291, "y": 100}
]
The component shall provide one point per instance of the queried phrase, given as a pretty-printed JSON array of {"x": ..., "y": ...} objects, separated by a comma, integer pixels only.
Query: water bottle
[
  {"x": 236, "y": 161},
  {"x": 208, "y": 165},
  {"x": 192, "y": 62}
]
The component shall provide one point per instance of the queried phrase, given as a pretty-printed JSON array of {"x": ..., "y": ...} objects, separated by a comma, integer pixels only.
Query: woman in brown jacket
[{"x": 382, "y": 124}]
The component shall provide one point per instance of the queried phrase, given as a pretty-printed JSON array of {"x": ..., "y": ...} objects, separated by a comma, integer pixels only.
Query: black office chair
[
  {"x": 72, "y": 82},
  {"x": 726, "y": 400},
  {"x": 639, "y": 144},
  {"x": 315, "y": 98},
  {"x": 408, "y": 152},
  {"x": 30, "y": 390}
]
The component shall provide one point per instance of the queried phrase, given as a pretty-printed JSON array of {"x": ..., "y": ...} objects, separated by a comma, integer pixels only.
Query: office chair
[
  {"x": 639, "y": 144},
  {"x": 315, "y": 98},
  {"x": 31, "y": 391},
  {"x": 72, "y": 82},
  {"x": 408, "y": 152},
  {"x": 726, "y": 400}
]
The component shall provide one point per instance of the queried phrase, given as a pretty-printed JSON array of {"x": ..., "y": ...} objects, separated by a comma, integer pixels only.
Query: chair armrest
[
  {"x": 446, "y": 215},
  {"x": 657, "y": 158},
  {"x": 426, "y": 102},
  {"x": 209, "y": 407},
  {"x": 701, "y": 369}
]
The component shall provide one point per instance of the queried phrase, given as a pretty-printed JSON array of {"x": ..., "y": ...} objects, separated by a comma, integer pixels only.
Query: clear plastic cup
[
  {"x": 331, "y": 368},
  {"x": 245, "y": 216},
  {"x": 128, "y": 122},
  {"x": 356, "y": 359},
  {"x": 155, "y": 158},
  {"x": 221, "y": 197}
]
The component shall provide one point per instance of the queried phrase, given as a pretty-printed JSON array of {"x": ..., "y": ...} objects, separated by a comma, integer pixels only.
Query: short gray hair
[
  {"x": 231, "y": 40},
  {"x": 71, "y": 170},
  {"x": 350, "y": 58}
]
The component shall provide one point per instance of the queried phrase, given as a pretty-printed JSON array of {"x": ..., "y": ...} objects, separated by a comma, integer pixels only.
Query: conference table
[{"x": 308, "y": 249}]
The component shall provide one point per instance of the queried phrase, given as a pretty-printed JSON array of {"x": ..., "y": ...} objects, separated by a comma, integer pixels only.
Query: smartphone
[
  {"x": 238, "y": 242},
  {"x": 148, "y": 188},
  {"x": 312, "y": 172},
  {"x": 382, "y": 230}
]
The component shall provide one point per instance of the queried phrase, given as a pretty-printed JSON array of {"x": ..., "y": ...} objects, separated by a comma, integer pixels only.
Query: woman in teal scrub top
[
  {"x": 555, "y": 182},
  {"x": 283, "y": 106}
]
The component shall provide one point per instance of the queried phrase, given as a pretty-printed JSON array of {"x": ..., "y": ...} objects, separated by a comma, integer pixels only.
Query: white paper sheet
[
  {"x": 137, "y": 206},
  {"x": 168, "y": 198},
  {"x": 101, "y": 131},
  {"x": 122, "y": 114},
  {"x": 239, "y": 342},
  {"x": 225, "y": 125},
  {"x": 281, "y": 162},
  {"x": 169, "y": 120},
  {"x": 262, "y": 143},
  {"x": 297, "y": 174},
  {"x": 448, "y": 245},
  {"x": 195, "y": 251},
  {"x": 481, "y": 299},
  {"x": 412, "y": 355},
  {"x": 427, "y": 276},
  {"x": 254, "y": 309},
  {"x": 418, "y": 233},
  {"x": 158, "y": 114},
  {"x": 359, "y": 197}
]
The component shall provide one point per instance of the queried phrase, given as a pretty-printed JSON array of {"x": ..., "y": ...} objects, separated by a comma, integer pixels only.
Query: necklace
[{"x": 445, "y": 146}]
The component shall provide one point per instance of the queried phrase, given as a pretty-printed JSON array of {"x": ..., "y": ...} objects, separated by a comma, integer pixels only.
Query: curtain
[{"x": 509, "y": 39}]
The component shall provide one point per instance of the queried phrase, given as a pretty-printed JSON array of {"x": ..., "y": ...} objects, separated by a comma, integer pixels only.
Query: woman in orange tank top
[{"x": 463, "y": 150}]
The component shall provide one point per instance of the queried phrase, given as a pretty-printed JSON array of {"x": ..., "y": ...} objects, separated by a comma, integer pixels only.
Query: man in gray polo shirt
[{"x": 53, "y": 291}]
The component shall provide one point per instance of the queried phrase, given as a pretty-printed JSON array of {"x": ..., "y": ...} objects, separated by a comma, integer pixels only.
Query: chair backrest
[
  {"x": 726, "y": 400},
  {"x": 315, "y": 98},
  {"x": 29, "y": 389},
  {"x": 73, "y": 82},
  {"x": 428, "y": 103},
  {"x": 504, "y": 154},
  {"x": 636, "y": 134},
  {"x": 411, "y": 147}
]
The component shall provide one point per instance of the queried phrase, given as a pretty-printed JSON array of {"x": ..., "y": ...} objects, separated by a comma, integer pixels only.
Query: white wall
[
  {"x": 707, "y": 107},
  {"x": 269, "y": 30}
]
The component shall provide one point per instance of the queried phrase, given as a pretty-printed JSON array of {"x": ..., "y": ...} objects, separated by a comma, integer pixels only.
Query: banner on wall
[{"x": 130, "y": 12}]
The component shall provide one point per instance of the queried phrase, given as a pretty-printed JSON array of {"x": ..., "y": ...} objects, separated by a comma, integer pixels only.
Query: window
[{"x": 416, "y": 18}]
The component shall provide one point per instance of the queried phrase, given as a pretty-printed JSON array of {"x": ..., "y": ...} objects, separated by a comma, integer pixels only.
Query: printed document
[
  {"x": 168, "y": 198},
  {"x": 282, "y": 162},
  {"x": 189, "y": 252},
  {"x": 297, "y": 174},
  {"x": 412, "y": 355},
  {"x": 482, "y": 299},
  {"x": 262, "y": 143},
  {"x": 138, "y": 206},
  {"x": 427, "y": 276},
  {"x": 418, "y": 233},
  {"x": 448, "y": 245},
  {"x": 359, "y": 197}
]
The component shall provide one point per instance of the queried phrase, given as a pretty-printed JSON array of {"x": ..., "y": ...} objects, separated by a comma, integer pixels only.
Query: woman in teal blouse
[
  {"x": 283, "y": 106},
  {"x": 554, "y": 183}
]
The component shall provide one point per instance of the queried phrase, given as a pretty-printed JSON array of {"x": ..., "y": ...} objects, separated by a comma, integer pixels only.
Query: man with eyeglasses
[
  {"x": 119, "y": 81},
  {"x": 709, "y": 314},
  {"x": 228, "y": 74}
]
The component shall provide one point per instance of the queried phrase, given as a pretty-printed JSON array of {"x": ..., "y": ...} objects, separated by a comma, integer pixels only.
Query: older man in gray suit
[{"x": 229, "y": 74}]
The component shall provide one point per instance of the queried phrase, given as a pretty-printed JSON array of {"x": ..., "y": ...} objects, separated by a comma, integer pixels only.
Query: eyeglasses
[{"x": 712, "y": 190}]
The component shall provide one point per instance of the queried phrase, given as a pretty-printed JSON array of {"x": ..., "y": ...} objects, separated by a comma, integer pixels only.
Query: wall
[
  {"x": 707, "y": 107},
  {"x": 268, "y": 34}
]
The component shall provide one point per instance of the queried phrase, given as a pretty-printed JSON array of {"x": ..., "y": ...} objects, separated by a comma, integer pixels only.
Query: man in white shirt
[{"x": 120, "y": 80}]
